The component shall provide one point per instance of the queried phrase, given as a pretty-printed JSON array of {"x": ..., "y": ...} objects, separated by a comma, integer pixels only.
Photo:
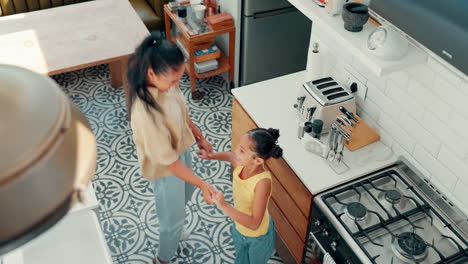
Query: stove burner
[
  {"x": 393, "y": 196},
  {"x": 410, "y": 246},
  {"x": 356, "y": 211}
]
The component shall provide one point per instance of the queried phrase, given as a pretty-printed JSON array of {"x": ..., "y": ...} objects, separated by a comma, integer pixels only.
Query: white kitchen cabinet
[{"x": 76, "y": 238}]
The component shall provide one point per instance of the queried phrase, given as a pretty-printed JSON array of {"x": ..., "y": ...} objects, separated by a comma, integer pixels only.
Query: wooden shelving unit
[{"x": 190, "y": 43}]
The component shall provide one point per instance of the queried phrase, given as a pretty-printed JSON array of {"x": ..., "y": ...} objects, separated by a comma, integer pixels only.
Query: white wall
[
  {"x": 421, "y": 112},
  {"x": 233, "y": 7}
]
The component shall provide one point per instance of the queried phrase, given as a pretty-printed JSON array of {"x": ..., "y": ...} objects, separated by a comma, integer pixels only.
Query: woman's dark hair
[
  {"x": 265, "y": 141},
  {"x": 158, "y": 54}
]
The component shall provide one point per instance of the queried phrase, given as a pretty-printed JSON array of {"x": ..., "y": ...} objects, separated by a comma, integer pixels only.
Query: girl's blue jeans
[{"x": 254, "y": 250}]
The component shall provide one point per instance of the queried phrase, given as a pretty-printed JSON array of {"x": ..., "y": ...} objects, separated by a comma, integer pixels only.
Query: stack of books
[{"x": 206, "y": 59}]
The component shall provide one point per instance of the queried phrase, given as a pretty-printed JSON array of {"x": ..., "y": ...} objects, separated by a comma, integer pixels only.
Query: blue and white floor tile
[{"x": 127, "y": 214}]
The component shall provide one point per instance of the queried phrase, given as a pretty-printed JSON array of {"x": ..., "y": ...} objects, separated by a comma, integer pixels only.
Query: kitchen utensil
[
  {"x": 308, "y": 127},
  {"x": 354, "y": 15},
  {"x": 327, "y": 96},
  {"x": 300, "y": 130},
  {"x": 340, "y": 148},
  {"x": 348, "y": 114},
  {"x": 310, "y": 113},
  {"x": 385, "y": 43},
  {"x": 331, "y": 136},
  {"x": 344, "y": 121},
  {"x": 361, "y": 135},
  {"x": 317, "y": 126}
]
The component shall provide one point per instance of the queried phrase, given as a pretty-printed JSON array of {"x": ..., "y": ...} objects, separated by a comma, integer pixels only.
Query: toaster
[{"x": 321, "y": 99}]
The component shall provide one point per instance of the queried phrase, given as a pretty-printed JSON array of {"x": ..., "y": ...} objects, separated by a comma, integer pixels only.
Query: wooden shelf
[
  {"x": 192, "y": 43},
  {"x": 331, "y": 31},
  {"x": 223, "y": 66}
]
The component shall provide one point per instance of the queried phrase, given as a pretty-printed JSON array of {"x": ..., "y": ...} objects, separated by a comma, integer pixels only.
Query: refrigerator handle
[{"x": 274, "y": 13}]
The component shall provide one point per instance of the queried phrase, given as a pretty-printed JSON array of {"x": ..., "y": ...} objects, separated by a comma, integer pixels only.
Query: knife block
[{"x": 361, "y": 135}]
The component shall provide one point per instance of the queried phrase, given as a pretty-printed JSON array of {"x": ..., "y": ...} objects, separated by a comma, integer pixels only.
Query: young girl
[
  {"x": 254, "y": 232},
  {"x": 163, "y": 133}
]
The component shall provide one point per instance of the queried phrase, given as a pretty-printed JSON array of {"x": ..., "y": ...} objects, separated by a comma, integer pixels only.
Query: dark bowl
[{"x": 354, "y": 15}]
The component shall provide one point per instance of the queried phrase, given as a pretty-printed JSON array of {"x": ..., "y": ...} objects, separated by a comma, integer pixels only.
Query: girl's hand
[
  {"x": 218, "y": 199},
  {"x": 204, "y": 144},
  {"x": 203, "y": 154},
  {"x": 209, "y": 192}
]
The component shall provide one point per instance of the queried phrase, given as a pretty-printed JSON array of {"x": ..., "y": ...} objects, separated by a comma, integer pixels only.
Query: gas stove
[{"x": 391, "y": 216}]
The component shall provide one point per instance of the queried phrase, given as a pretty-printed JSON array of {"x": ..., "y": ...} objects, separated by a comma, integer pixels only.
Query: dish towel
[{"x": 327, "y": 259}]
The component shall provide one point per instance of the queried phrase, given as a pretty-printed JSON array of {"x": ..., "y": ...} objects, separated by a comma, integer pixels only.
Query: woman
[{"x": 163, "y": 133}]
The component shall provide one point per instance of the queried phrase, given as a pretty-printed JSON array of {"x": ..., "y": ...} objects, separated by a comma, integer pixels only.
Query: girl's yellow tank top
[{"x": 243, "y": 192}]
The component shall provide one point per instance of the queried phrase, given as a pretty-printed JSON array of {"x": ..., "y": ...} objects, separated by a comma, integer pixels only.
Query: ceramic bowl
[{"x": 354, "y": 15}]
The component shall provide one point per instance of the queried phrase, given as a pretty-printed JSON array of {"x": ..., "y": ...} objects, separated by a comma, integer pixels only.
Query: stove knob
[
  {"x": 325, "y": 233},
  {"x": 333, "y": 245}
]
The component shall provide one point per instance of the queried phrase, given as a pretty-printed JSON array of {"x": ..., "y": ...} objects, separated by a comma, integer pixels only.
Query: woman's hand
[
  {"x": 203, "y": 154},
  {"x": 204, "y": 144},
  {"x": 209, "y": 192}
]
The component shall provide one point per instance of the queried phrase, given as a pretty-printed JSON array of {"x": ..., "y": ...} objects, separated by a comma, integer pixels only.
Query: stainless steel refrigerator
[{"x": 274, "y": 40}]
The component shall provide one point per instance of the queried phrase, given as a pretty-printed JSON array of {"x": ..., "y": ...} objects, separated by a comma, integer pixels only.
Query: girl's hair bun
[
  {"x": 276, "y": 152},
  {"x": 274, "y": 133}
]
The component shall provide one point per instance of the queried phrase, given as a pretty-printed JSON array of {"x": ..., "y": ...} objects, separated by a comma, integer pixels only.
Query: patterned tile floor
[{"x": 127, "y": 215}]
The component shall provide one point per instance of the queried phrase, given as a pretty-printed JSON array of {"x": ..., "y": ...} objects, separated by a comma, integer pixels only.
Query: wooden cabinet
[{"x": 291, "y": 200}]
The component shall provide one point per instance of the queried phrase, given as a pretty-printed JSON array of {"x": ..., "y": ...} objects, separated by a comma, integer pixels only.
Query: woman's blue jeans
[{"x": 172, "y": 194}]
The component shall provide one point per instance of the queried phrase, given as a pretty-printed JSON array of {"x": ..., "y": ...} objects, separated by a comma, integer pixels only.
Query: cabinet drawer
[
  {"x": 286, "y": 232},
  {"x": 291, "y": 183},
  {"x": 289, "y": 208}
]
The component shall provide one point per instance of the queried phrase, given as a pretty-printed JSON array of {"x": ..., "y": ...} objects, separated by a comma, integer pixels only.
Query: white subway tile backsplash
[
  {"x": 401, "y": 78},
  {"x": 371, "y": 109},
  {"x": 422, "y": 73},
  {"x": 441, "y": 70},
  {"x": 451, "y": 94},
  {"x": 381, "y": 85},
  {"x": 385, "y": 138},
  {"x": 435, "y": 167},
  {"x": 424, "y": 95},
  {"x": 422, "y": 135},
  {"x": 458, "y": 123},
  {"x": 406, "y": 102},
  {"x": 397, "y": 132},
  {"x": 399, "y": 151},
  {"x": 445, "y": 135},
  {"x": 454, "y": 164},
  {"x": 384, "y": 103},
  {"x": 461, "y": 192},
  {"x": 464, "y": 86},
  {"x": 446, "y": 192}
]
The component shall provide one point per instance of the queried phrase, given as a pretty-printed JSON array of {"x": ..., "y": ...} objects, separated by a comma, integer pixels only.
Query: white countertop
[{"x": 270, "y": 104}]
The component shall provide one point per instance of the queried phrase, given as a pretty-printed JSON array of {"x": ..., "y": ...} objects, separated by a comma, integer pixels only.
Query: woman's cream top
[{"x": 160, "y": 138}]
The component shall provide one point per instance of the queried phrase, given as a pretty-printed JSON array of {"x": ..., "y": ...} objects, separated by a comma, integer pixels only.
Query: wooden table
[
  {"x": 72, "y": 37},
  {"x": 225, "y": 64}
]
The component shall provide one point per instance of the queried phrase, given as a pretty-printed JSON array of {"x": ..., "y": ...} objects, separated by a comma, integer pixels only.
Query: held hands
[
  {"x": 209, "y": 192},
  {"x": 218, "y": 199},
  {"x": 203, "y": 144},
  {"x": 203, "y": 154}
]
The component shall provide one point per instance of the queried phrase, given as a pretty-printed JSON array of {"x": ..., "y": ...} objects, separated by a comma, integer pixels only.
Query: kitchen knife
[{"x": 348, "y": 114}]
